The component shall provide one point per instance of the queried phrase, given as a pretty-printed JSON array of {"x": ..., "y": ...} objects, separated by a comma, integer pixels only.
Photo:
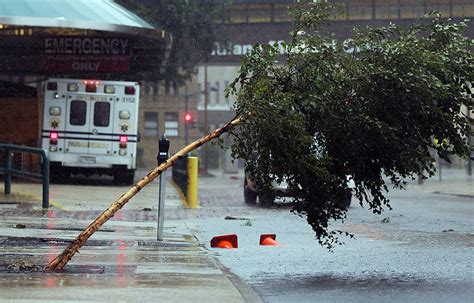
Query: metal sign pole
[{"x": 163, "y": 148}]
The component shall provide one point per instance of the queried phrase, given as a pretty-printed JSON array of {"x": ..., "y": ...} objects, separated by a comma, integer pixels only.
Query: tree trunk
[{"x": 62, "y": 259}]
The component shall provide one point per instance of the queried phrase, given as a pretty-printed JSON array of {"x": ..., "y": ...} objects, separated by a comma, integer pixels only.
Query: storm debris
[
  {"x": 234, "y": 218},
  {"x": 248, "y": 223},
  {"x": 25, "y": 266}
]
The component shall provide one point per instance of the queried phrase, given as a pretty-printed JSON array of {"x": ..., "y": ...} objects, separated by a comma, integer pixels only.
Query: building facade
[
  {"x": 163, "y": 111},
  {"x": 261, "y": 21}
]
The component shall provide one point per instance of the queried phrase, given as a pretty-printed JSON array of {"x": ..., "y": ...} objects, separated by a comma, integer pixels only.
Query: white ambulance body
[{"x": 90, "y": 126}]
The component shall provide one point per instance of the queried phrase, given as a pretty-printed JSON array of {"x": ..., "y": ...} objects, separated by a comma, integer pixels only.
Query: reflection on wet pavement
[{"x": 121, "y": 262}]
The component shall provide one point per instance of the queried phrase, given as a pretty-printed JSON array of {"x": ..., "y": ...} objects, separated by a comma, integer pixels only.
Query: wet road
[
  {"x": 419, "y": 252},
  {"x": 121, "y": 262}
]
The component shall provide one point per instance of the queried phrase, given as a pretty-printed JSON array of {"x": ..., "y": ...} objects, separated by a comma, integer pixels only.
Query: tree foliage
[
  {"x": 368, "y": 109},
  {"x": 194, "y": 26}
]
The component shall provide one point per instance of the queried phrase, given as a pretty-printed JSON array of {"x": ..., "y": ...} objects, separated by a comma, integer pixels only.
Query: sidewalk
[
  {"x": 453, "y": 181},
  {"x": 121, "y": 262}
]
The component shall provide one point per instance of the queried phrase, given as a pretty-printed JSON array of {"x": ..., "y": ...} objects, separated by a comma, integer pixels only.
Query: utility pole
[
  {"x": 186, "y": 108},
  {"x": 206, "y": 126},
  {"x": 470, "y": 143}
]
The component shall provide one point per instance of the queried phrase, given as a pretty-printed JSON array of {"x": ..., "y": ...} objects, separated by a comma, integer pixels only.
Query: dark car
[{"x": 252, "y": 192}]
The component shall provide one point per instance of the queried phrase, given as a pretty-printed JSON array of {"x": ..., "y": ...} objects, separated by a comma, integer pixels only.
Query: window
[
  {"x": 281, "y": 14},
  {"x": 175, "y": 89},
  {"x": 171, "y": 124},
  {"x": 261, "y": 12},
  {"x": 411, "y": 9},
  {"x": 226, "y": 86},
  {"x": 340, "y": 9},
  {"x": 359, "y": 10},
  {"x": 441, "y": 6},
  {"x": 151, "y": 124},
  {"x": 238, "y": 13},
  {"x": 199, "y": 94},
  {"x": 387, "y": 9},
  {"x": 463, "y": 8},
  {"x": 217, "y": 91},
  {"x": 101, "y": 114},
  {"x": 77, "y": 115}
]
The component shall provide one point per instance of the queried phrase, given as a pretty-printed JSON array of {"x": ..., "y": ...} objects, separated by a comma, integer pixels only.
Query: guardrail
[
  {"x": 9, "y": 171},
  {"x": 180, "y": 174}
]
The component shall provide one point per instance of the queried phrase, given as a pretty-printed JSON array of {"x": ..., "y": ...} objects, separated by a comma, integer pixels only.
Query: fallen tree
[
  {"x": 369, "y": 109},
  {"x": 62, "y": 259}
]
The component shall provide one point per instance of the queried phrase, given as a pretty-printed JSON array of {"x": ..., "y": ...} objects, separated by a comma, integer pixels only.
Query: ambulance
[{"x": 90, "y": 127}]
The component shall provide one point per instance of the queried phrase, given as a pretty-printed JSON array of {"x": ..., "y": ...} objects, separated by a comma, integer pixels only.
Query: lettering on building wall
[
  {"x": 243, "y": 49},
  {"x": 240, "y": 49},
  {"x": 86, "y": 46},
  {"x": 65, "y": 54}
]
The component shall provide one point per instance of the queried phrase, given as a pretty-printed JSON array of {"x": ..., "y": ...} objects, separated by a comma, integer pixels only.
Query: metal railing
[
  {"x": 180, "y": 174},
  {"x": 9, "y": 171}
]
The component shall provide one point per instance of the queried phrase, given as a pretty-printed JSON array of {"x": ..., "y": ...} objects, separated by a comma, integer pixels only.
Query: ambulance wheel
[
  {"x": 124, "y": 177},
  {"x": 59, "y": 175}
]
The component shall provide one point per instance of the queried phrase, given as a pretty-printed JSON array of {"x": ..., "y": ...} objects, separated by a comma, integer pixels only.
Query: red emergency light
[
  {"x": 91, "y": 82},
  {"x": 129, "y": 90},
  {"x": 188, "y": 118},
  {"x": 53, "y": 138},
  {"x": 91, "y": 86}
]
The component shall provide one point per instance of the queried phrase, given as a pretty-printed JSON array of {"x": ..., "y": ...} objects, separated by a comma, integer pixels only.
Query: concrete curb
[{"x": 453, "y": 194}]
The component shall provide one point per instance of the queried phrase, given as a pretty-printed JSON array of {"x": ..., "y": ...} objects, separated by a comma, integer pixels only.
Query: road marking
[{"x": 38, "y": 199}]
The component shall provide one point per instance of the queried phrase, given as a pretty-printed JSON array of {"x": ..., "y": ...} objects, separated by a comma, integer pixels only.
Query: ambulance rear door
[
  {"x": 101, "y": 125},
  {"x": 89, "y": 126},
  {"x": 76, "y": 136}
]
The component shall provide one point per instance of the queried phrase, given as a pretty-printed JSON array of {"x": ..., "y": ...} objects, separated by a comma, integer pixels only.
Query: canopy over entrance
[{"x": 77, "y": 38}]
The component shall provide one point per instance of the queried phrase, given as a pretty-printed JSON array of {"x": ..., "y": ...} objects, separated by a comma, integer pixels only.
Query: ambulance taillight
[
  {"x": 53, "y": 142},
  {"x": 53, "y": 138},
  {"x": 52, "y": 86},
  {"x": 123, "y": 141},
  {"x": 129, "y": 90},
  {"x": 123, "y": 145}
]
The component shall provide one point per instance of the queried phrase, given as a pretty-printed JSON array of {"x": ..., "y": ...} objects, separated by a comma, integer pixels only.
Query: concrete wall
[{"x": 20, "y": 121}]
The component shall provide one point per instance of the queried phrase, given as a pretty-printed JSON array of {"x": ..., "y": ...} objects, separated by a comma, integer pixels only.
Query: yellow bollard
[{"x": 192, "y": 194}]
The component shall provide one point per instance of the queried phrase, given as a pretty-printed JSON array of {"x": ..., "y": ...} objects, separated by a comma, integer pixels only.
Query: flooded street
[{"x": 419, "y": 252}]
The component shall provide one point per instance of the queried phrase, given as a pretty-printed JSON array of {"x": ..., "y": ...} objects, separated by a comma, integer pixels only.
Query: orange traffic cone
[
  {"x": 225, "y": 241},
  {"x": 268, "y": 239}
]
